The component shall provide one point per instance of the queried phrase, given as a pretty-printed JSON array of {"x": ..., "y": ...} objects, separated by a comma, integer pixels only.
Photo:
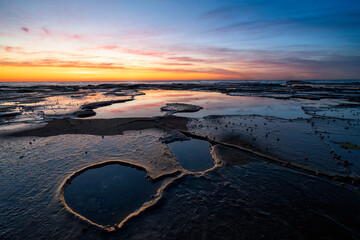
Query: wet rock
[
  {"x": 175, "y": 136},
  {"x": 85, "y": 113},
  {"x": 180, "y": 107}
]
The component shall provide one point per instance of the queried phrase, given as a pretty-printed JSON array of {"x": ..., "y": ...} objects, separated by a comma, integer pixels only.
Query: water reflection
[
  {"x": 214, "y": 103},
  {"x": 38, "y": 107},
  {"x": 106, "y": 195},
  {"x": 193, "y": 155}
]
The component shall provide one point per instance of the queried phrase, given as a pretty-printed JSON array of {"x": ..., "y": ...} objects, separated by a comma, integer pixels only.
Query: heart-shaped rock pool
[{"x": 106, "y": 194}]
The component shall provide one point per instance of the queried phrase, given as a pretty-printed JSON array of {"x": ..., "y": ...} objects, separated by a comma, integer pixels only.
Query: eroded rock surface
[{"x": 180, "y": 107}]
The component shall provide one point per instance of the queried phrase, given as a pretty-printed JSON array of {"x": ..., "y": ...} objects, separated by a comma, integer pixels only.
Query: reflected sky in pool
[
  {"x": 193, "y": 155},
  {"x": 213, "y": 103},
  {"x": 106, "y": 195}
]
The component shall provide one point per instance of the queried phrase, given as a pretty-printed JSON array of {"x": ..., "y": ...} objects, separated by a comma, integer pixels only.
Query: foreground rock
[{"x": 87, "y": 110}]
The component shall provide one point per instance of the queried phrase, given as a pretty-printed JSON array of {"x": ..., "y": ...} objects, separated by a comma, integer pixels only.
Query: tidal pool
[
  {"x": 193, "y": 155},
  {"x": 108, "y": 194},
  {"x": 41, "y": 106},
  {"x": 213, "y": 103}
]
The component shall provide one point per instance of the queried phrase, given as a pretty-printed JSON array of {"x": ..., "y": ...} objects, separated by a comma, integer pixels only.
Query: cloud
[
  {"x": 74, "y": 37},
  {"x": 347, "y": 20},
  {"x": 144, "y": 53},
  {"x": 216, "y": 71},
  {"x": 46, "y": 31},
  {"x": 37, "y": 54},
  {"x": 135, "y": 51},
  {"x": 259, "y": 20},
  {"x": 25, "y": 29},
  {"x": 108, "y": 47},
  {"x": 187, "y": 59},
  {"x": 56, "y": 35},
  {"x": 177, "y": 64},
  {"x": 63, "y": 35},
  {"x": 11, "y": 49},
  {"x": 50, "y": 62}
]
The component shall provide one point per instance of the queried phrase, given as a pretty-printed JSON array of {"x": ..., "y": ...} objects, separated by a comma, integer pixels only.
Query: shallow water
[
  {"x": 106, "y": 195},
  {"x": 193, "y": 155},
  {"x": 39, "y": 107},
  {"x": 213, "y": 103},
  {"x": 307, "y": 143},
  {"x": 351, "y": 112}
]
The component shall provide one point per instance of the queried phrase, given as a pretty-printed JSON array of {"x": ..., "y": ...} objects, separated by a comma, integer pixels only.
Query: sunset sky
[{"x": 87, "y": 40}]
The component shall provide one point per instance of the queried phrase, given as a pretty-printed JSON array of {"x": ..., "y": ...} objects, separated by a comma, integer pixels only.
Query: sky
[{"x": 87, "y": 40}]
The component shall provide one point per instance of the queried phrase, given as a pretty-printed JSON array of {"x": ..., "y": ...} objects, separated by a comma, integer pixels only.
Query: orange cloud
[
  {"x": 11, "y": 49},
  {"x": 63, "y": 64}
]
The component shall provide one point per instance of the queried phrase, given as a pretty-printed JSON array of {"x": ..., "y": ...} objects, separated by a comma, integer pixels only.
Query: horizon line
[{"x": 186, "y": 80}]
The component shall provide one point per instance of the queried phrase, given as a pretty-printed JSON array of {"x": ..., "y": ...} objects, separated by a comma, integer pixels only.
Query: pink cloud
[
  {"x": 215, "y": 71},
  {"x": 108, "y": 47},
  {"x": 11, "y": 49},
  {"x": 52, "y": 62},
  {"x": 144, "y": 53},
  {"x": 187, "y": 59},
  {"x": 46, "y": 31},
  {"x": 60, "y": 35},
  {"x": 177, "y": 64},
  {"x": 75, "y": 36},
  {"x": 134, "y": 51},
  {"x": 25, "y": 29}
]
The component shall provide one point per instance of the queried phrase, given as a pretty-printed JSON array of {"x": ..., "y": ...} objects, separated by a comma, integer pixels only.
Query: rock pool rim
[
  {"x": 176, "y": 175},
  {"x": 144, "y": 206}
]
